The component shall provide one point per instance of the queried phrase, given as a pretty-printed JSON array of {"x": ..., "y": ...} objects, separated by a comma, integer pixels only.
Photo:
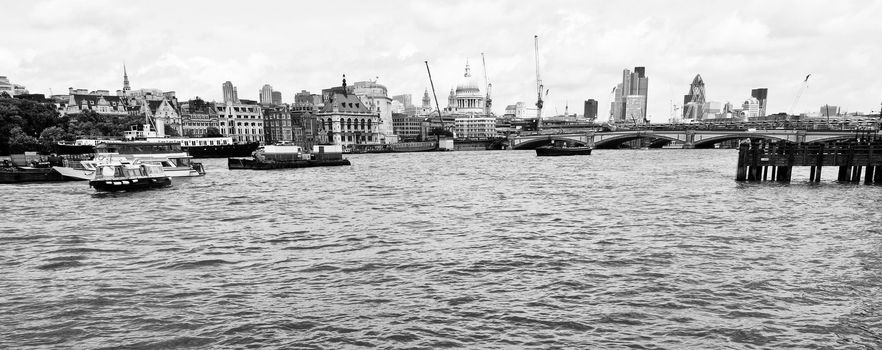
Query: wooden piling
[
  {"x": 765, "y": 172},
  {"x": 743, "y": 156},
  {"x": 812, "y": 174},
  {"x": 856, "y": 174},
  {"x": 818, "y": 174},
  {"x": 877, "y": 175},
  {"x": 868, "y": 180}
]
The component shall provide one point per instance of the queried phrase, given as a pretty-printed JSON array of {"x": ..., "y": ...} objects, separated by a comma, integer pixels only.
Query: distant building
[
  {"x": 241, "y": 121},
  {"x": 750, "y": 108},
  {"x": 163, "y": 113},
  {"x": 630, "y": 101},
  {"x": 278, "y": 126},
  {"x": 345, "y": 120},
  {"x": 277, "y": 98},
  {"x": 762, "y": 95},
  {"x": 266, "y": 94},
  {"x": 590, "y": 112},
  {"x": 374, "y": 96},
  {"x": 306, "y": 98},
  {"x": 196, "y": 117},
  {"x": 405, "y": 100},
  {"x": 475, "y": 127},
  {"x": 100, "y": 101},
  {"x": 510, "y": 111},
  {"x": 828, "y": 111},
  {"x": 408, "y": 128},
  {"x": 230, "y": 93},
  {"x": 694, "y": 101},
  {"x": 8, "y": 88}
]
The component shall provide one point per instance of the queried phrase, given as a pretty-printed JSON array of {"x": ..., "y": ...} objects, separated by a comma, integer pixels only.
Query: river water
[{"x": 647, "y": 249}]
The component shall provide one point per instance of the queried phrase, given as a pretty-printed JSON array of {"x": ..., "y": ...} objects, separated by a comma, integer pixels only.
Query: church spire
[{"x": 126, "y": 86}]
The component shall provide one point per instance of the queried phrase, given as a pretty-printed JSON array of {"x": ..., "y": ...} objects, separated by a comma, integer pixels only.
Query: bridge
[{"x": 688, "y": 138}]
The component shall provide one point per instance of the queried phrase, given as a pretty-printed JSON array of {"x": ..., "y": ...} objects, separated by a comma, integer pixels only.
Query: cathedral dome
[{"x": 468, "y": 85}]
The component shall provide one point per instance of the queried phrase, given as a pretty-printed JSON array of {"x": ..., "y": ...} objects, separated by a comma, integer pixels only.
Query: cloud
[{"x": 192, "y": 48}]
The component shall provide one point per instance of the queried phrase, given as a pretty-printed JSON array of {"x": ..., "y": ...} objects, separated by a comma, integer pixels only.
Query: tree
[
  {"x": 28, "y": 116},
  {"x": 19, "y": 142},
  {"x": 213, "y": 132}
]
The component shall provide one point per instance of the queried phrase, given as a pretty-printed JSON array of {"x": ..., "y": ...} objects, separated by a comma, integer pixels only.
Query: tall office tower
[
  {"x": 405, "y": 100},
  {"x": 590, "y": 109},
  {"x": 266, "y": 94},
  {"x": 630, "y": 101},
  {"x": 694, "y": 102},
  {"x": 230, "y": 93},
  {"x": 761, "y": 95},
  {"x": 277, "y": 97}
]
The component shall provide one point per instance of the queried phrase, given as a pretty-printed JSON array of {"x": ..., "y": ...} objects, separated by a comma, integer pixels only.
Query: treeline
[{"x": 27, "y": 125}]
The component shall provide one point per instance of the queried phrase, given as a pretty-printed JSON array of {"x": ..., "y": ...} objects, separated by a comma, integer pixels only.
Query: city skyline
[{"x": 584, "y": 49}]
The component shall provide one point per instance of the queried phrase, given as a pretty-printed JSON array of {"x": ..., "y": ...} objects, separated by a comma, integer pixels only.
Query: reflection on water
[{"x": 652, "y": 249}]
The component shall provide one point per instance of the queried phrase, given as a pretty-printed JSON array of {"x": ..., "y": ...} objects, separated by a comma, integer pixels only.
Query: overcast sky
[{"x": 584, "y": 46}]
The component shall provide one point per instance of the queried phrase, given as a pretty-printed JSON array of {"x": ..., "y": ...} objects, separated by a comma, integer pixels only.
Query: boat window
[{"x": 107, "y": 171}]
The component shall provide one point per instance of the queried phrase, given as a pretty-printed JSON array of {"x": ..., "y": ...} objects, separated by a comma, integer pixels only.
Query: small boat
[
  {"x": 129, "y": 177},
  {"x": 552, "y": 151},
  {"x": 290, "y": 156}
]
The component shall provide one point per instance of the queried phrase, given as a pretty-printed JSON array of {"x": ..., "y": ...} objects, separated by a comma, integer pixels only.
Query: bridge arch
[
  {"x": 832, "y": 138},
  {"x": 533, "y": 143},
  {"x": 616, "y": 141},
  {"x": 710, "y": 141}
]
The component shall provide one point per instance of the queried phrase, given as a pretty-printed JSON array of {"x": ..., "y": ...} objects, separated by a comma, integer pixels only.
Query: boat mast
[
  {"x": 435, "y": 95},
  {"x": 539, "y": 86}
]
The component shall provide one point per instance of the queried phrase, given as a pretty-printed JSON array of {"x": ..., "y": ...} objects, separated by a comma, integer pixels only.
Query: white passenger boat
[{"x": 174, "y": 161}]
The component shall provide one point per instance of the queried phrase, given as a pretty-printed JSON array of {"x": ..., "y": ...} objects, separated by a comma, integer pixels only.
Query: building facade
[
  {"x": 230, "y": 93},
  {"x": 8, "y": 88},
  {"x": 408, "y": 128},
  {"x": 590, "y": 112},
  {"x": 277, "y": 125},
  {"x": 240, "y": 121},
  {"x": 762, "y": 95},
  {"x": 629, "y": 105},
  {"x": 196, "y": 117},
  {"x": 475, "y": 128},
  {"x": 266, "y": 94},
  {"x": 694, "y": 101},
  {"x": 345, "y": 120}
]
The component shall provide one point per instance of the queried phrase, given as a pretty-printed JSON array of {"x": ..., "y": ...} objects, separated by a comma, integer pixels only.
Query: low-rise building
[
  {"x": 196, "y": 117},
  {"x": 345, "y": 120},
  {"x": 242, "y": 121},
  {"x": 475, "y": 128},
  {"x": 408, "y": 128}
]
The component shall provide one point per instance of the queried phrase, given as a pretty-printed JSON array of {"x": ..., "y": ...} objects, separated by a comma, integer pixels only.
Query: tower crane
[
  {"x": 799, "y": 94},
  {"x": 539, "y": 86},
  {"x": 488, "y": 102}
]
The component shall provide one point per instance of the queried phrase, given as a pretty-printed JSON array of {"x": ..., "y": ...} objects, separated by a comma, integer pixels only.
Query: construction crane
[
  {"x": 488, "y": 102},
  {"x": 799, "y": 94},
  {"x": 539, "y": 86}
]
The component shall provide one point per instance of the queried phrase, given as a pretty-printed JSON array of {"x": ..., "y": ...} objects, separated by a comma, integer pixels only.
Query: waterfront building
[
  {"x": 277, "y": 124},
  {"x": 475, "y": 127},
  {"x": 762, "y": 95},
  {"x": 397, "y": 108},
  {"x": 266, "y": 94},
  {"x": 346, "y": 120},
  {"x": 8, "y": 88},
  {"x": 694, "y": 101},
  {"x": 408, "y": 128},
  {"x": 163, "y": 113},
  {"x": 374, "y": 96},
  {"x": 629, "y": 105},
  {"x": 230, "y": 93},
  {"x": 590, "y": 112},
  {"x": 277, "y": 98},
  {"x": 241, "y": 121},
  {"x": 196, "y": 117}
]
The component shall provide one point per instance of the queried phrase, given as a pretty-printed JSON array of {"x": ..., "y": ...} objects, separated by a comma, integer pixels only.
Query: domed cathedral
[{"x": 467, "y": 98}]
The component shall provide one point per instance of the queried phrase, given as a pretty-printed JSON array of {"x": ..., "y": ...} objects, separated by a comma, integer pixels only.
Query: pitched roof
[{"x": 345, "y": 103}]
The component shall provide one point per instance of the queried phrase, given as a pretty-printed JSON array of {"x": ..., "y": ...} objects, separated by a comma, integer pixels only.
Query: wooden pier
[{"x": 762, "y": 160}]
